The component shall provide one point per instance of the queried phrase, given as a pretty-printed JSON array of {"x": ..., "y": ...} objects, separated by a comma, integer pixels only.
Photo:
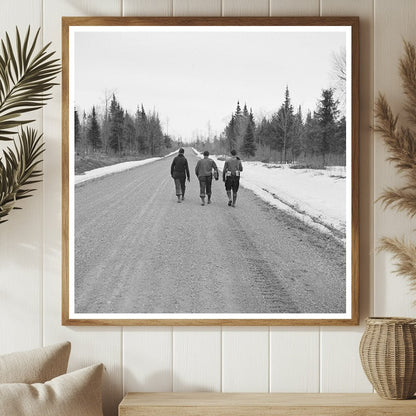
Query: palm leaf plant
[
  {"x": 26, "y": 78},
  {"x": 401, "y": 142}
]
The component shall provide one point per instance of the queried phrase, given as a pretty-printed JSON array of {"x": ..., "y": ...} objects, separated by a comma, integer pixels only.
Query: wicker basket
[{"x": 388, "y": 356}]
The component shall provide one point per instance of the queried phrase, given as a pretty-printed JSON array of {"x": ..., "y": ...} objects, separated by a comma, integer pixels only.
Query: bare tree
[{"x": 339, "y": 75}]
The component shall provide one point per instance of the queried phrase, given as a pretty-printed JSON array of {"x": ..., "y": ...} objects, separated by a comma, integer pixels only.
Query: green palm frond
[
  {"x": 26, "y": 78},
  {"x": 19, "y": 170}
]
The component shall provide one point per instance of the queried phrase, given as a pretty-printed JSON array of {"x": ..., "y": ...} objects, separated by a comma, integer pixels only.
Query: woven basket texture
[{"x": 388, "y": 356}]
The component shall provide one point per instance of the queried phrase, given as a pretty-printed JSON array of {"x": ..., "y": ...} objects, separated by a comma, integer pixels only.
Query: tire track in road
[{"x": 266, "y": 279}]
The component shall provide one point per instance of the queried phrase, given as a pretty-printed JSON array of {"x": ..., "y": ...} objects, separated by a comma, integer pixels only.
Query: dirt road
[{"x": 139, "y": 251}]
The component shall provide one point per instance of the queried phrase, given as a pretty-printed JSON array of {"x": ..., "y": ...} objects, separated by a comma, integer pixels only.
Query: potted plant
[
  {"x": 388, "y": 345},
  {"x": 26, "y": 77}
]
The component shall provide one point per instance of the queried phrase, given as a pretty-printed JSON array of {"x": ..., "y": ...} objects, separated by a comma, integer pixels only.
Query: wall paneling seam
[
  {"x": 172, "y": 343},
  {"x": 221, "y": 360},
  {"x": 123, "y": 387},
  {"x": 320, "y": 360},
  {"x": 269, "y": 352}
]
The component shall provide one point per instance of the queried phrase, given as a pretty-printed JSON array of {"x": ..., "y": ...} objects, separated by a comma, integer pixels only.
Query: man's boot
[
  {"x": 179, "y": 198},
  {"x": 229, "y": 198},
  {"x": 202, "y": 200},
  {"x": 209, "y": 199},
  {"x": 234, "y": 199}
]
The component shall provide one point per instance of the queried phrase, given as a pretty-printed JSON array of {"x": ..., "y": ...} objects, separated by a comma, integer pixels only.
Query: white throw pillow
[
  {"x": 35, "y": 366},
  {"x": 73, "y": 394}
]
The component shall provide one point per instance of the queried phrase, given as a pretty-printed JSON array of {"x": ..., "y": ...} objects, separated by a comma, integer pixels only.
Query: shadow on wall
[
  {"x": 21, "y": 275},
  {"x": 86, "y": 8},
  {"x": 112, "y": 394},
  {"x": 160, "y": 381}
]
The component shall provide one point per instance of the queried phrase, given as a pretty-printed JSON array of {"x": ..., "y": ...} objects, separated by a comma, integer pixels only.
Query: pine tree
[
  {"x": 265, "y": 134},
  {"x": 326, "y": 115},
  {"x": 105, "y": 129},
  {"x": 248, "y": 147},
  {"x": 284, "y": 126},
  {"x": 245, "y": 111},
  {"x": 155, "y": 134},
  {"x": 167, "y": 141},
  {"x": 240, "y": 124},
  {"x": 340, "y": 136},
  {"x": 142, "y": 130},
  {"x": 129, "y": 132},
  {"x": 297, "y": 134},
  {"x": 77, "y": 131},
  {"x": 93, "y": 132},
  {"x": 230, "y": 133},
  {"x": 238, "y": 109},
  {"x": 84, "y": 130},
  {"x": 308, "y": 145},
  {"x": 116, "y": 126}
]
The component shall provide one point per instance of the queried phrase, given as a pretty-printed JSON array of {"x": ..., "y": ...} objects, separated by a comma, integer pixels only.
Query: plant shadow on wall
[
  {"x": 388, "y": 345},
  {"x": 26, "y": 77}
]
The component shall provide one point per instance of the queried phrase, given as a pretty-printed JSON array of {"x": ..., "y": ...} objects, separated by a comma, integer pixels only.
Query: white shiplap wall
[{"x": 261, "y": 359}]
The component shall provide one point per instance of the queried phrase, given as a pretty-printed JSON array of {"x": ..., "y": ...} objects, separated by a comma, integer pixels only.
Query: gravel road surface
[{"x": 139, "y": 251}]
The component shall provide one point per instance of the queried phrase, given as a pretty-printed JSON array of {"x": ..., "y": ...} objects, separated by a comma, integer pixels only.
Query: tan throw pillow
[
  {"x": 73, "y": 394},
  {"x": 35, "y": 366}
]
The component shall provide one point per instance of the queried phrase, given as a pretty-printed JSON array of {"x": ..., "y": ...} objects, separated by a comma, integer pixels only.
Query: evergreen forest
[
  {"x": 287, "y": 136},
  {"x": 115, "y": 133}
]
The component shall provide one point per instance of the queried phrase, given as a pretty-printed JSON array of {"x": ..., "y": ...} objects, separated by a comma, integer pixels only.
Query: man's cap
[
  {"x": 206, "y": 153},
  {"x": 181, "y": 150}
]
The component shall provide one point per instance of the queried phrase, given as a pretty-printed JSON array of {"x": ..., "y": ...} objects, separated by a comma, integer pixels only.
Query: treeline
[
  {"x": 286, "y": 136},
  {"x": 118, "y": 132}
]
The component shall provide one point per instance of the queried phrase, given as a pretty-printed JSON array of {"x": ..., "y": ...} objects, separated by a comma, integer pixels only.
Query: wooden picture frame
[{"x": 73, "y": 287}]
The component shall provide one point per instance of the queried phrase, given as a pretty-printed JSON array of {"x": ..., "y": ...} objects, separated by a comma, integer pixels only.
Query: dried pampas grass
[{"x": 401, "y": 142}]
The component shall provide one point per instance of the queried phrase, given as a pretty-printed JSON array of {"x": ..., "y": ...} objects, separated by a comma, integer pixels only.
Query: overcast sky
[{"x": 195, "y": 77}]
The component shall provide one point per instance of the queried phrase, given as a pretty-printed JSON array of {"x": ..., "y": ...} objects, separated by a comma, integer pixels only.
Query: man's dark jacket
[{"x": 179, "y": 167}]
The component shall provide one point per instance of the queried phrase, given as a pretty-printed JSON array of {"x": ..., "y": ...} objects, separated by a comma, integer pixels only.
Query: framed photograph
[{"x": 210, "y": 171}]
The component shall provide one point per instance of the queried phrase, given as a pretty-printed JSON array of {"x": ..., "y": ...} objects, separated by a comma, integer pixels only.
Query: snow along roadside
[
  {"x": 118, "y": 167},
  {"x": 315, "y": 212}
]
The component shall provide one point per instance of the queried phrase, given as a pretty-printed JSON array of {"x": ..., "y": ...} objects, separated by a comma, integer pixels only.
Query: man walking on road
[
  {"x": 203, "y": 170},
  {"x": 231, "y": 176},
  {"x": 179, "y": 171}
]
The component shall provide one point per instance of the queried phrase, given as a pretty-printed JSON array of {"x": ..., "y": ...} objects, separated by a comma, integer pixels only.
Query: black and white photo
[{"x": 211, "y": 172}]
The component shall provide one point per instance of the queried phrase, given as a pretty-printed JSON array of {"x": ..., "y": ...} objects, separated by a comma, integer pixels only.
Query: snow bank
[
  {"x": 316, "y": 196},
  {"x": 172, "y": 153},
  {"x": 119, "y": 167},
  {"x": 311, "y": 192}
]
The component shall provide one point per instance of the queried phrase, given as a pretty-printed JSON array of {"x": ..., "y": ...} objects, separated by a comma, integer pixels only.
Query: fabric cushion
[
  {"x": 73, "y": 394},
  {"x": 35, "y": 366}
]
